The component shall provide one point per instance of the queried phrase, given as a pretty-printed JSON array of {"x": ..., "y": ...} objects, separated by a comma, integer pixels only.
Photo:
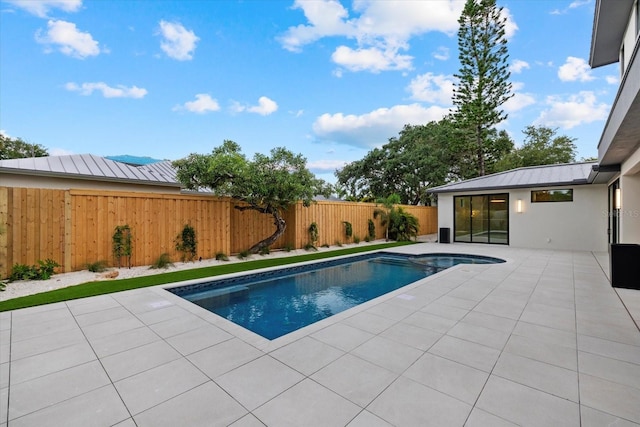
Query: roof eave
[
  {"x": 88, "y": 177},
  {"x": 609, "y": 24},
  {"x": 511, "y": 187}
]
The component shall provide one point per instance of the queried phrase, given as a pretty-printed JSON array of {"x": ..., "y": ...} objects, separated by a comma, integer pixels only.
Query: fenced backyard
[{"x": 75, "y": 227}]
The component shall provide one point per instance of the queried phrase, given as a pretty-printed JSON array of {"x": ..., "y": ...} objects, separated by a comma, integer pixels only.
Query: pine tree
[{"x": 483, "y": 80}]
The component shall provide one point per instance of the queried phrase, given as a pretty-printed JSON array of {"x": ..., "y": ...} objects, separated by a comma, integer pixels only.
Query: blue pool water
[{"x": 275, "y": 303}]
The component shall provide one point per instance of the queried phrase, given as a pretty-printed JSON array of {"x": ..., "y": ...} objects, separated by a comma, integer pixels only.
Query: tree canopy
[
  {"x": 266, "y": 184},
  {"x": 417, "y": 159},
  {"x": 483, "y": 79},
  {"x": 11, "y": 148},
  {"x": 541, "y": 147}
]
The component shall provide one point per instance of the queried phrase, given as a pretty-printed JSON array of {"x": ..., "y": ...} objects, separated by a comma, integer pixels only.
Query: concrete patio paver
[{"x": 540, "y": 340}]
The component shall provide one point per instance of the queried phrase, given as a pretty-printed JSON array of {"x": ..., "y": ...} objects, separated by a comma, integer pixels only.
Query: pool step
[{"x": 215, "y": 297}]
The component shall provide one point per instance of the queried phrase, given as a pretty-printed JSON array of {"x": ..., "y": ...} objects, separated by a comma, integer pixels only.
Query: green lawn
[{"x": 108, "y": 286}]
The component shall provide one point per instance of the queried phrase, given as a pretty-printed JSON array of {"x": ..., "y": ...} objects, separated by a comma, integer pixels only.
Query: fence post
[{"x": 68, "y": 235}]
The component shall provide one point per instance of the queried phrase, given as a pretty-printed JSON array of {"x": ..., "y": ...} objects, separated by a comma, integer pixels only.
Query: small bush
[
  {"x": 31, "y": 272},
  {"x": 310, "y": 247},
  {"x": 325, "y": 245},
  {"x": 265, "y": 251},
  {"x": 221, "y": 256},
  {"x": 244, "y": 254},
  {"x": 313, "y": 234},
  {"x": 356, "y": 239},
  {"x": 338, "y": 243},
  {"x": 348, "y": 229},
  {"x": 371, "y": 230},
  {"x": 288, "y": 247},
  {"x": 163, "y": 261},
  {"x": 186, "y": 243},
  {"x": 97, "y": 267}
]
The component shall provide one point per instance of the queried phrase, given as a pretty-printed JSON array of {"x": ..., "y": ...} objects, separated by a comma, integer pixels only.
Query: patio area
[{"x": 541, "y": 340}]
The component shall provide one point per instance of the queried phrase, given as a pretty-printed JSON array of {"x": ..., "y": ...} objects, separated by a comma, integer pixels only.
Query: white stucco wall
[
  {"x": 578, "y": 225},
  {"x": 37, "y": 181}
]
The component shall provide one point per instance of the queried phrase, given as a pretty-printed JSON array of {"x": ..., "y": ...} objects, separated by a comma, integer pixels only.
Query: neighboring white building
[
  {"x": 554, "y": 207},
  {"x": 616, "y": 38},
  {"x": 86, "y": 171}
]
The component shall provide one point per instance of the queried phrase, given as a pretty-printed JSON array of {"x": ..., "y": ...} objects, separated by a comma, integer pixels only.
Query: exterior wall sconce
[
  {"x": 519, "y": 206},
  {"x": 617, "y": 199}
]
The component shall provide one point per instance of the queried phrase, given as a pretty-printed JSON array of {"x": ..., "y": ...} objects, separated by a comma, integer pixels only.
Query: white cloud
[
  {"x": 436, "y": 89},
  {"x": 320, "y": 166},
  {"x": 120, "y": 91},
  {"x": 510, "y": 26},
  {"x": 69, "y": 39},
  {"x": 202, "y": 104},
  {"x": 612, "y": 80},
  {"x": 265, "y": 107},
  {"x": 573, "y": 5},
  {"x": 379, "y": 29},
  {"x": 178, "y": 42},
  {"x": 575, "y": 69},
  {"x": 372, "y": 59},
  {"x": 374, "y": 128},
  {"x": 441, "y": 54},
  {"x": 518, "y": 101},
  {"x": 518, "y": 65},
  {"x": 574, "y": 111},
  {"x": 41, "y": 7}
]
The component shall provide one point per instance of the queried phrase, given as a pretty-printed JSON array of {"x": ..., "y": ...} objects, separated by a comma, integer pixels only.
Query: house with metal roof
[
  {"x": 87, "y": 171},
  {"x": 584, "y": 206},
  {"x": 554, "y": 206}
]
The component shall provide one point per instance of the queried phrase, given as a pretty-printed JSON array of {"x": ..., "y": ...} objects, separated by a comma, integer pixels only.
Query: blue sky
[{"x": 329, "y": 79}]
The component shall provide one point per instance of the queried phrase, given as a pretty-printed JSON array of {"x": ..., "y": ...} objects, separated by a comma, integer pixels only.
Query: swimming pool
[{"x": 275, "y": 303}]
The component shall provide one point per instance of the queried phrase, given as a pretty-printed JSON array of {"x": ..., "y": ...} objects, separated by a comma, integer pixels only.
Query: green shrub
[
  {"x": 264, "y": 251},
  {"x": 371, "y": 230},
  {"x": 356, "y": 239},
  {"x": 186, "y": 243},
  {"x": 325, "y": 245},
  {"x": 163, "y": 261},
  {"x": 310, "y": 247},
  {"x": 97, "y": 267},
  {"x": 402, "y": 225},
  {"x": 348, "y": 229},
  {"x": 338, "y": 243},
  {"x": 367, "y": 238},
  {"x": 44, "y": 271},
  {"x": 288, "y": 247},
  {"x": 313, "y": 234},
  {"x": 122, "y": 246},
  {"x": 244, "y": 254},
  {"x": 221, "y": 256}
]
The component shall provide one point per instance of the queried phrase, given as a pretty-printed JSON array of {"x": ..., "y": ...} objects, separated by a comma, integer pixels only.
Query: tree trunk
[
  {"x": 278, "y": 221},
  {"x": 481, "y": 170}
]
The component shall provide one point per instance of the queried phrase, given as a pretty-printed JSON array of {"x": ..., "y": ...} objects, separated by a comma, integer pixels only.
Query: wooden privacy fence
[{"x": 75, "y": 227}]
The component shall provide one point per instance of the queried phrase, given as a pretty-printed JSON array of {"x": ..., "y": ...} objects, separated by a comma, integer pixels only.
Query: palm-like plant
[
  {"x": 386, "y": 212},
  {"x": 403, "y": 225}
]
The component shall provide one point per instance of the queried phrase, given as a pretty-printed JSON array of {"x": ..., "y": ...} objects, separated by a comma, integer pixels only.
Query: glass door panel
[
  {"x": 499, "y": 218},
  {"x": 480, "y": 219},
  {"x": 462, "y": 219}
]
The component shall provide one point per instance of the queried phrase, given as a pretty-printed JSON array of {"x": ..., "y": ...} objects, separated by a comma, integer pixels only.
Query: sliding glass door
[{"x": 482, "y": 218}]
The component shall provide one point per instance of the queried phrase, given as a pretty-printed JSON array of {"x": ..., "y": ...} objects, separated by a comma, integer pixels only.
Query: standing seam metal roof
[
  {"x": 535, "y": 176},
  {"x": 88, "y": 166}
]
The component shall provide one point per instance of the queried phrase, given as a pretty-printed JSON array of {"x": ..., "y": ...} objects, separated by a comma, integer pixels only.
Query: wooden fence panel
[
  {"x": 31, "y": 226},
  {"x": 75, "y": 227}
]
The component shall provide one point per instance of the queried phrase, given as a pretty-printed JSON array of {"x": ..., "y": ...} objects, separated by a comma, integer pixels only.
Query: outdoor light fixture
[
  {"x": 519, "y": 206},
  {"x": 617, "y": 199}
]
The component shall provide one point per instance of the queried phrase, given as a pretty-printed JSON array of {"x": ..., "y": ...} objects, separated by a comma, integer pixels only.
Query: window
[
  {"x": 538, "y": 196},
  {"x": 481, "y": 219},
  {"x": 622, "y": 61}
]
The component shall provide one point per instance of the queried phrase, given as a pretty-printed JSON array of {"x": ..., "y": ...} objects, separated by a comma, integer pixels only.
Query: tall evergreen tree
[{"x": 483, "y": 79}]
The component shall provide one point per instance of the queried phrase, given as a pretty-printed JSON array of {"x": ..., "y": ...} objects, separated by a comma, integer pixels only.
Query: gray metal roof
[
  {"x": 86, "y": 166},
  {"x": 535, "y": 176}
]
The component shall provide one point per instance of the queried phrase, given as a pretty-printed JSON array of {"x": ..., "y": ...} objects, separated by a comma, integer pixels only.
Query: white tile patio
[{"x": 541, "y": 340}]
